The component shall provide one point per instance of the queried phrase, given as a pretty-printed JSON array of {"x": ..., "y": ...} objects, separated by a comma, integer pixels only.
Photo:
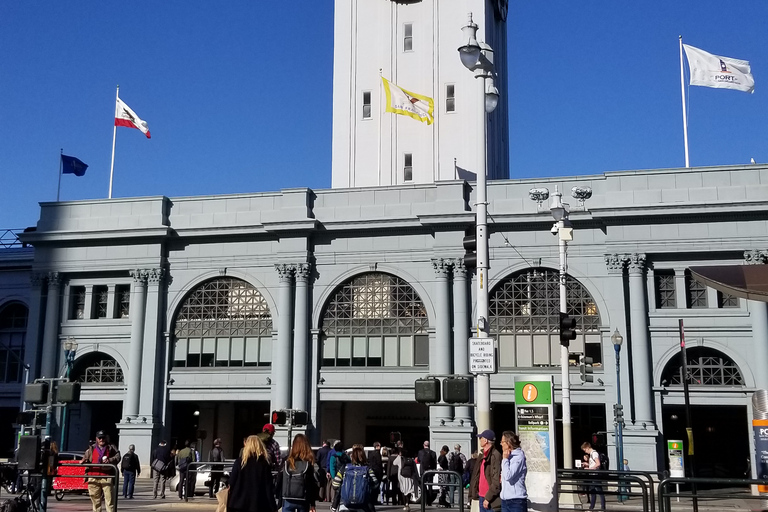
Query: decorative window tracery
[{"x": 706, "y": 367}]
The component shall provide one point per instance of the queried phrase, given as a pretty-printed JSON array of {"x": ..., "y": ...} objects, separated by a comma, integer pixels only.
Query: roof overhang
[{"x": 744, "y": 281}]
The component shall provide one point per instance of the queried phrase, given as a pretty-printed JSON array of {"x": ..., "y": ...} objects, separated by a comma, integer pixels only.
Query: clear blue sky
[{"x": 238, "y": 95}]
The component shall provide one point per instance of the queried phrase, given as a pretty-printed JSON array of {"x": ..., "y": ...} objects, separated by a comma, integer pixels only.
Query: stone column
[
  {"x": 758, "y": 311},
  {"x": 133, "y": 378},
  {"x": 281, "y": 362},
  {"x": 641, "y": 348},
  {"x": 440, "y": 358},
  {"x": 32, "y": 346},
  {"x": 152, "y": 368},
  {"x": 301, "y": 341},
  {"x": 51, "y": 327},
  {"x": 462, "y": 415}
]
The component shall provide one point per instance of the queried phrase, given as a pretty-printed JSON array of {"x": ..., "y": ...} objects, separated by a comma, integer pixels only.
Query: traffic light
[
  {"x": 470, "y": 247},
  {"x": 456, "y": 391},
  {"x": 36, "y": 393},
  {"x": 567, "y": 329},
  {"x": 618, "y": 413},
  {"x": 67, "y": 392},
  {"x": 300, "y": 418},
  {"x": 585, "y": 369},
  {"x": 427, "y": 390},
  {"x": 279, "y": 418}
]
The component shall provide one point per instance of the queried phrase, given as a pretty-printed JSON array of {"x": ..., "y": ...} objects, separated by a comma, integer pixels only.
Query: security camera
[{"x": 555, "y": 229}]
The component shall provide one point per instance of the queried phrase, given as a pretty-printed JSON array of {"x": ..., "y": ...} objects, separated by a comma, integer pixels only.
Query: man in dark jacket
[
  {"x": 485, "y": 485},
  {"x": 100, "y": 481},
  {"x": 427, "y": 462},
  {"x": 322, "y": 461},
  {"x": 162, "y": 464},
  {"x": 375, "y": 463},
  {"x": 217, "y": 470},
  {"x": 131, "y": 468}
]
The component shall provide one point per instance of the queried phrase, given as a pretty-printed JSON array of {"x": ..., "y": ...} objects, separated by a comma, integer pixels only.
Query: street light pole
[
  {"x": 617, "y": 340},
  {"x": 70, "y": 348},
  {"x": 479, "y": 57}
]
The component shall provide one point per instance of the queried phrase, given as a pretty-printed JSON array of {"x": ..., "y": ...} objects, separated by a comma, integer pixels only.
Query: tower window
[
  {"x": 450, "y": 98},
  {"x": 408, "y": 37},
  {"x": 665, "y": 289},
  {"x": 366, "y": 104},
  {"x": 696, "y": 292},
  {"x": 100, "y": 298},
  {"x": 725, "y": 300},
  {"x": 408, "y": 167},
  {"x": 77, "y": 303}
]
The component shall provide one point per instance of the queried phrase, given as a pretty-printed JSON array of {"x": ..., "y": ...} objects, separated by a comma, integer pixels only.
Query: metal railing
[
  {"x": 453, "y": 480},
  {"x": 625, "y": 484},
  {"x": 192, "y": 471},
  {"x": 666, "y": 494},
  {"x": 115, "y": 476},
  {"x": 9, "y": 238}
]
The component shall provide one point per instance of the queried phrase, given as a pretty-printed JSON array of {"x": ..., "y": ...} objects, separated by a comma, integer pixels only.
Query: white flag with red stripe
[{"x": 124, "y": 116}]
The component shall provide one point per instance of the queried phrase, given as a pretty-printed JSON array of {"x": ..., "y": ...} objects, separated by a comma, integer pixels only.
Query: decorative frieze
[{"x": 755, "y": 257}]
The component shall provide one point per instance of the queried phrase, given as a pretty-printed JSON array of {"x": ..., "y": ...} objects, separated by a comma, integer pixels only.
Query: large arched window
[
  {"x": 223, "y": 322},
  {"x": 13, "y": 330},
  {"x": 375, "y": 319},
  {"x": 525, "y": 315},
  {"x": 97, "y": 368},
  {"x": 706, "y": 367}
]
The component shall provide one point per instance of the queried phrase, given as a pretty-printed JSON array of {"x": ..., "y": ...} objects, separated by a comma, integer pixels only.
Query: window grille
[
  {"x": 366, "y": 104},
  {"x": 696, "y": 292},
  {"x": 122, "y": 300},
  {"x": 77, "y": 302},
  {"x": 450, "y": 98},
  {"x": 105, "y": 371},
  {"x": 525, "y": 315},
  {"x": 706, "y": 367},
  {"x": 375, "y": 319},
  {"x": 665, "y": 289},
  {"x": 100, "y": 297},
  {"x": 223, "y": 322},
  {"x": 408, "y": 167},
  {"x": 725, "y": 300}
]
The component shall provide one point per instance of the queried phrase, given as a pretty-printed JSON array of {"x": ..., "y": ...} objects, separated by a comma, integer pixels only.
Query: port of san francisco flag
[
  {"x": 124, "y": 116},
  {"x": 407, "y": 103},
  {"x": 719, "y": 72}
]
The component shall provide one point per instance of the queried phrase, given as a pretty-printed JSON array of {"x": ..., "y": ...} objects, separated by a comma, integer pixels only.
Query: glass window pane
[
  {"x": 390, "y": 351},
  {"x": 222, "y": 352},
  {"x": 251, "y": 351},
  {"x": 265, "y": 352},
  {"x": 359, "y": 345},
  {"x": 344, "y": 352},
  {"x": 193, "y": 352},
  {"x": 507, "y": 351},
  {"x": 541, "y": 349},
  {"x": 329, "y": 352},
  {"x": 421, "y": 350},
  {"x": 194, "y": 346},
  {"x": 209, "y": 345},
  {"x": 524, "y": 351},
  {"x": 406, "y": 351},
  {"x": 238, "y": 352},
  {"x": 374, "y": 351}
]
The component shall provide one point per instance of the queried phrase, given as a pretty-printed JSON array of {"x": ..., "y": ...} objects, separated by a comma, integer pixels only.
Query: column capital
[
  {"x": 139, "y": 275},
  {"x": 36, "y": 279},
  {"x": 615, "y": 263},
  {"x": 635, "y": 262},
  {"x": 285, "y": 271},
  {"x": 155, "y": 275},
  {"x": 442, "y": 266},
  {"x": 303, "y": 271},
  {"x": 755, "y": 257},
  {"x": 459, "y": 269},
  {"x": 54, "y": 279}
]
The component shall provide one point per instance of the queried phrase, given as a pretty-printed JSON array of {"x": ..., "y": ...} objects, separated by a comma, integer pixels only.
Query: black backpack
[
  {"x": 456, "y": 464},
  {"x": 125, "y": 464},
  {"x": 605, "y": 462},
  {"x": 406, "y": 467},
  {"x": 295, "y": 481}
]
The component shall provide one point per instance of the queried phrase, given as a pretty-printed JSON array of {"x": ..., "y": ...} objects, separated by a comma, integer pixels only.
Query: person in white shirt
[{"x": 594, "y": 488}]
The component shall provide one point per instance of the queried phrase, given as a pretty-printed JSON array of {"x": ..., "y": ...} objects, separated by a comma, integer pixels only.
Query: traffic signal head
[
  {"x": 427, "y": 390},
  {"x": 300, "y": 418},
  {"x": 470, "y": 248},
  {"x": 456, "y": 391},
  {"x": 585, "y": 369},
  {"x": 36, "y": 393},
  {"x": 618, "y": 413},
  {"x": 68, "y": 392},
  {"x": 279, "y": 418},
  {"x": 567, "y": 329}
]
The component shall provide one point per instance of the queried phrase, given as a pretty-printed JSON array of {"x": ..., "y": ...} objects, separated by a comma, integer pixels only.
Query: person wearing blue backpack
[{"x": 356, "y": 483}]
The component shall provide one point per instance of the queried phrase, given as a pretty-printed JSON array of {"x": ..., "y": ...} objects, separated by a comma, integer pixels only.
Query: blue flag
[{"x": 72, "y": 165}]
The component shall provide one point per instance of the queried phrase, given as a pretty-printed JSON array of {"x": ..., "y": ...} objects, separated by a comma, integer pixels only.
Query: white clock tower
[{"x": 413, "y": 43}]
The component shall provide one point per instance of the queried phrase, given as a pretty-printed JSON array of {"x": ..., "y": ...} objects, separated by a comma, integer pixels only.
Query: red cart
[{"x": 68, "y": 481}]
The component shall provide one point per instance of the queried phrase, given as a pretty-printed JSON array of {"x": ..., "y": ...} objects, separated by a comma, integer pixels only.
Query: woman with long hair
[
  {"x": 300, "y": 483},
  {"x": 514, "y": 496},
  {"x": 351, "y": 471},
  {"x": 250, "y": 483}
]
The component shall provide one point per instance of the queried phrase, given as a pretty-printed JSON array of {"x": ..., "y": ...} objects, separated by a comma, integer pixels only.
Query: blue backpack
[{"x": 355, "y": 486}]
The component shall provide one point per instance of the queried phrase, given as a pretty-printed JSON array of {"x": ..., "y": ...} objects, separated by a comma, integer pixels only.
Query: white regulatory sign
[{"x": 482, "y": 356}]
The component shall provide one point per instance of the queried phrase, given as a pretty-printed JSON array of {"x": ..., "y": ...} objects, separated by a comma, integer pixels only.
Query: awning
[{"x": 744, "y": 281}]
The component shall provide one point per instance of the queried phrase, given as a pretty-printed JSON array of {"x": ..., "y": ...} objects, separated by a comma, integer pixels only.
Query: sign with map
[{"x": 535, "y": 421}]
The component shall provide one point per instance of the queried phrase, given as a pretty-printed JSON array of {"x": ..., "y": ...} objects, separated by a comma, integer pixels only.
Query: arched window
[
  {"x": 223, "y": 322},
  {"x": 706, "y": 367},
  {"x": 525, "y": 315},
  {"x": 375, "y": 319},
  {"x": 13, "y": 330},
  {"x": 97, "y": 368}
]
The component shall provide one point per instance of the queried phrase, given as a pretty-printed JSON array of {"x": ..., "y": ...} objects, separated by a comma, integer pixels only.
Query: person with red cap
[{"x": 272, "y": 446}]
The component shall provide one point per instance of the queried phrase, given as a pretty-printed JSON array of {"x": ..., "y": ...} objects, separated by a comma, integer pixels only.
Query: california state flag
[{"x": 124, "y": 116}]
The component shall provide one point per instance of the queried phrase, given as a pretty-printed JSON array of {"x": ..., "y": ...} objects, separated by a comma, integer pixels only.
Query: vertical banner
[
  {"x": 760, "y": 431},
  {"x": 675, "y": 454},
  {"x": 534, "y": 417}
]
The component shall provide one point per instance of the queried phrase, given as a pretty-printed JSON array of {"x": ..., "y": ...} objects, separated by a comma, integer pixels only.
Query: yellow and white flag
[
  {"x": 407, "y": 103},
  {"x": 719, "y": 72}
]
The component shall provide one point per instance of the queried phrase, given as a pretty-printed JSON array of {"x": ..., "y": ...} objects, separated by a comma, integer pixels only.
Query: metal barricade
[
  {"x": 569, "y": 481},
  {"x": 450, "y": 484},
  {"x": 115, "y": 477},
  {"x": 665, "y": 493},
  {"x": 192, "y": 471}
]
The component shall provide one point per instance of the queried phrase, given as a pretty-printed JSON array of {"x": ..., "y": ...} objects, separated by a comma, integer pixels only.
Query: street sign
[
  {"x": 482, "y": 355},
  {"x": 535, "y": 419}
]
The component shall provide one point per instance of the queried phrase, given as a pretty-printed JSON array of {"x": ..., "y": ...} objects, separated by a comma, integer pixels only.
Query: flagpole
[
  {"x": 685, "y": 115},
  {"x": 114, "y": 135},
  {"x": 61, "y": 168}
]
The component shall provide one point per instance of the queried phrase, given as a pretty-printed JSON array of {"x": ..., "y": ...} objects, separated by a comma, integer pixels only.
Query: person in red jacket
[{"x": 101, "y": 482}]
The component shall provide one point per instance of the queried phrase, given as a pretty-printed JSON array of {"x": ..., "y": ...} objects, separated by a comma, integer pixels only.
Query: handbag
[
  {"x": 158, "y": 465},
  {"x": 221, "y": 498},
  {"x": 475, "y": 506}
]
